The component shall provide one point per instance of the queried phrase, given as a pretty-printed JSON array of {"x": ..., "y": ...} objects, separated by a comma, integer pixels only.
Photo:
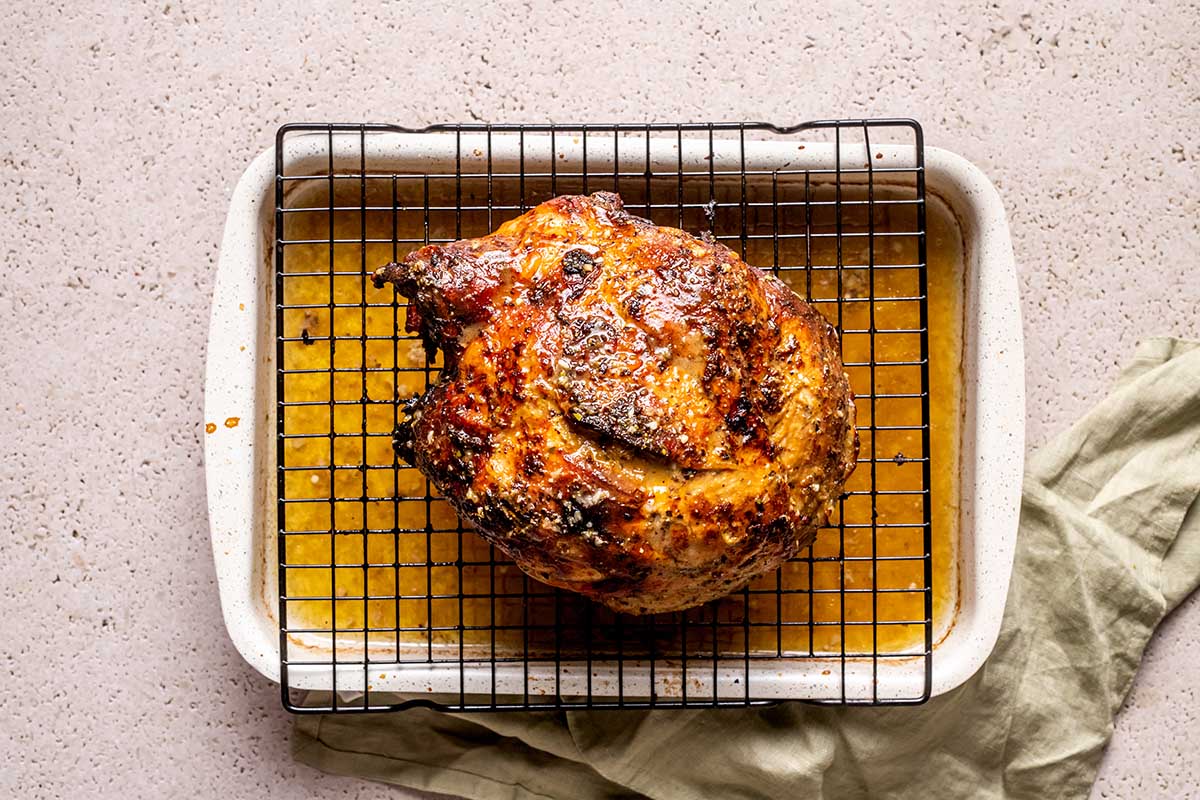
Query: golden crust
[{"x": 628, "y": 411}]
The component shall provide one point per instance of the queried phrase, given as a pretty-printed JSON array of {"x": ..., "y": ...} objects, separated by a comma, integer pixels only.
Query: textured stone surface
[{"x": 124, "y": 131}]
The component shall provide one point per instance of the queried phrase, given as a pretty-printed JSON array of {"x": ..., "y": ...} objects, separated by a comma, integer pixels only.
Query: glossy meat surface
[{"x": 626, "y": 410}]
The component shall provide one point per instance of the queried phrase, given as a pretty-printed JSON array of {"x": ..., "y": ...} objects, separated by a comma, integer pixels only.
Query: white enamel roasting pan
[{"x": 240, "y": 460}]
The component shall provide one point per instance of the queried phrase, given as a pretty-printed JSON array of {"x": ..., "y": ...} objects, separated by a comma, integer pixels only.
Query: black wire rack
[{"x": 386, "y": 601}]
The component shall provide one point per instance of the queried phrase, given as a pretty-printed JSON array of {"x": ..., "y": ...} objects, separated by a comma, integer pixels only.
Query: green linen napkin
[{"x": 1107, "y": 547}]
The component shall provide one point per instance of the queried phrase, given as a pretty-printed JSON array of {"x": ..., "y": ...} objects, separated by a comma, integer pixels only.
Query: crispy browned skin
[{"x": 628, "y": 411}]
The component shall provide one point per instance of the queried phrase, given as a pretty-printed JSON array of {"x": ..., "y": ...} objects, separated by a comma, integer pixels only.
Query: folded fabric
[{"x": 1109, "y": 544}]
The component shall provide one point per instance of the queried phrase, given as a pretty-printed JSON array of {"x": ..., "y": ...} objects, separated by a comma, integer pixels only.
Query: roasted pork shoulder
[{"x": 628, "y": 411}]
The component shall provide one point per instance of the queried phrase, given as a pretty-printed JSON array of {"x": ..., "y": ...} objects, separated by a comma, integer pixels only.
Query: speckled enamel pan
[{"x": 240, "y": 447}]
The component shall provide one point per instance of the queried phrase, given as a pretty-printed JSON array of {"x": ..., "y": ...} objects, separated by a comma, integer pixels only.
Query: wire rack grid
[{"x": 376, "y": 576}]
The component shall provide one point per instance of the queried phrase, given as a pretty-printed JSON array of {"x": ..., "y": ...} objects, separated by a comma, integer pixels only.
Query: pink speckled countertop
[{"x": 125, "y": 130}]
